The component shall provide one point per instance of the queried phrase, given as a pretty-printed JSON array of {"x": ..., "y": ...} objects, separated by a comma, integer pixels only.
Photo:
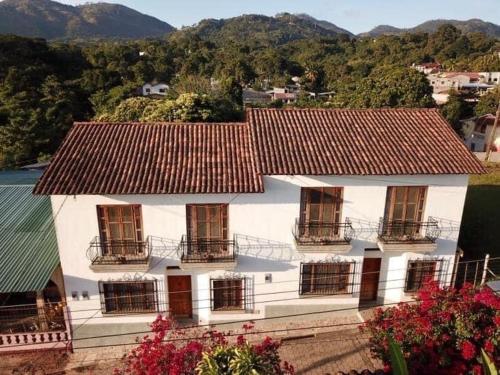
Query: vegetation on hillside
[
  {"x": 47, "y": 86},
  {"x": 53, "y": 20}
]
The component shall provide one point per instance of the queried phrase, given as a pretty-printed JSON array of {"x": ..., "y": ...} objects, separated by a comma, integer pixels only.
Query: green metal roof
[{"x": 28, "y": 245}]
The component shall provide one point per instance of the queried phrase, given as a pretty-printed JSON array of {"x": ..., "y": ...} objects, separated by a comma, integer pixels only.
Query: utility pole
[{"x": 493, "y": 132}]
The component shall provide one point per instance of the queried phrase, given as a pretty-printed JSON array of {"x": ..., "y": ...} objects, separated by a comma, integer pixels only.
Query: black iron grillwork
[
  {"x": 409, "y": 231},
  {"x": 327, "y": 278},
  {"x": 202, "y": 250},
  {"x": 323, "y": 233},
  {"x": 119, "y": 252}
]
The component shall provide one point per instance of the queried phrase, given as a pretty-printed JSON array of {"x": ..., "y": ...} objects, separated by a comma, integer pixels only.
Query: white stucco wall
[{"x": 264, "y": 225}]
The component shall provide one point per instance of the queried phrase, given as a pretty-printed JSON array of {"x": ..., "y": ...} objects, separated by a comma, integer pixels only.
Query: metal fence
[
  {"x": 476, "y": 272},
  {"x": 119, "y": 252},
  {"x": 202, "y": 250},
  {"x": 322, "y": 233},
  {"x": 408, "y": 231}
]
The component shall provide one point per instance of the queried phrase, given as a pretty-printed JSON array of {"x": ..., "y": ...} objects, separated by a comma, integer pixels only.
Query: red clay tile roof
[
  {"x": 163, "y": 158},
  {"x": 132, "y": 158},
  {"x": 357, "y": 142}
]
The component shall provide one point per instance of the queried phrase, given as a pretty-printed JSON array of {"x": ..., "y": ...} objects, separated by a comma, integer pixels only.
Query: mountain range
[
  {"x": 470, "y": 26},
  {"x": 52, "y": 20}
]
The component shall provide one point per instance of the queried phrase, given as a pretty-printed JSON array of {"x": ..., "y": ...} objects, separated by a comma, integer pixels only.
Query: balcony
[
  {"x": 323, "y": 237},
  {"x": 207, "y": 253},
  {"x": 119, "y": 255},
  {"x": 418, "y": 236}
]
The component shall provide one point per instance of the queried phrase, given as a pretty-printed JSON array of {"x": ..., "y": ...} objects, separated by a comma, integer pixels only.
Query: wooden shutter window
[
  {"x": 405, "y": 203},
  {"x": 207, "y": 222},
  {"x": 120, "y": 223},
  {"x": 320, "y": 209}
]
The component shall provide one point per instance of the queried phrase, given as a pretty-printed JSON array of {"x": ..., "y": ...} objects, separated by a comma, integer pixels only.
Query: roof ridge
[
  {"x": 146, "y": 123},
  {"x": 384, "y": 109}
]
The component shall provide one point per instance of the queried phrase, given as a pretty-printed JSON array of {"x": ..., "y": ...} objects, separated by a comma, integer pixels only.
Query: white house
[
  {"x": 155, "y": 89},
  {"x": 291, "y": 212},
  {"x": 478, "y": 131}
]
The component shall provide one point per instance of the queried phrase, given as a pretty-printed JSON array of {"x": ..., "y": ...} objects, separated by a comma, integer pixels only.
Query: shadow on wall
[{"x": 255, "y": 247}]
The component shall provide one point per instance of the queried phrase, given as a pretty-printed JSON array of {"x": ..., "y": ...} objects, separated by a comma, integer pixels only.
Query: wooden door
[
  {"x": 179, "y": 296},
  {"x": 369, "y": 279}
]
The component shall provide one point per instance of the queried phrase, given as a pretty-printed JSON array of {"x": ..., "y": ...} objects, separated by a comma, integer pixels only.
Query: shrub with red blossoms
[
  {"x": 443, "y": 332},
  {"x": 172, "y": 351}
]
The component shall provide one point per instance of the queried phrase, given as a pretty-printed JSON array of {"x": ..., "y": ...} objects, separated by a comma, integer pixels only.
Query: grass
[{"x": 480, "y": 230}]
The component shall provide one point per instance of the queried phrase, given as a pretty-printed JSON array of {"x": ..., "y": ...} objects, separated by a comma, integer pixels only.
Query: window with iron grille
[
  {"x": 326, "y": 278},
  {"x": 228, "y": 294},
  {"x": 128, "y": 296},
  {"x": 420, "y": 271}
]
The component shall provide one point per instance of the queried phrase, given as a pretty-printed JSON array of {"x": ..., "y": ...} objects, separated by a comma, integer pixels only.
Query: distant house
[
  {"x": 427, "y": 68},
  {"x": 251, "y": 96},
  {"x": 288, "y": 94},
  {"x": 477, "y": 133},
  {"x": 155, "y": 89},
  {"x": 32, "y": 298},
  {"x": 492, "y": 78}
]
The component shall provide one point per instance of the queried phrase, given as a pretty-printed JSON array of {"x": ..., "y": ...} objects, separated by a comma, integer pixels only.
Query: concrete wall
[{"x": 263, "y": 223}]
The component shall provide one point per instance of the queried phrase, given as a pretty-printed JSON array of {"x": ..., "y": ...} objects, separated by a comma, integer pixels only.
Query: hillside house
[
  {"x": 428, "y": 68},
  {"x": 478, "y": 131},
  {"x": 154, "y": 88},
  {"x": 296, "y": 211}
]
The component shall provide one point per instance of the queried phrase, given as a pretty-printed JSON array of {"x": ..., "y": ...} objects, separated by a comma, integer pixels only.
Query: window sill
[
  {"x": 336, "y": 296},
  {"x": 227, "y": 312}
]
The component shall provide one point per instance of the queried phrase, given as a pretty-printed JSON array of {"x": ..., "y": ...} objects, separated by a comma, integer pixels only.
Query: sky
[{"x": 354, "y": 15}]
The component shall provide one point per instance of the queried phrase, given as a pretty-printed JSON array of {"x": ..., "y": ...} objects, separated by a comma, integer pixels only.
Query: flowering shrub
[
  {"x": 443, "y": 332},
  {"x": 170, "y": 352}
]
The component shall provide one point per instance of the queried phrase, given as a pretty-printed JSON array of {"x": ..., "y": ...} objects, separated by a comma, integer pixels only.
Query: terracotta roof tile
[
  {"x": 160, "y": 158},
  {"x": 166, "y": 158},
  {"x": 357, "y": 142}
]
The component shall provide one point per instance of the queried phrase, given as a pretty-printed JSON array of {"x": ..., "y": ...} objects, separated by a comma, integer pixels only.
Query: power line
[
  {"x": 383, "y": 281},
  {"x": 240, "y": 321}
]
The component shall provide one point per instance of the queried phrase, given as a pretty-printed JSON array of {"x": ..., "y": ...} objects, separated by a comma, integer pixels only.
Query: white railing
[{"x": 29, "y": 341}]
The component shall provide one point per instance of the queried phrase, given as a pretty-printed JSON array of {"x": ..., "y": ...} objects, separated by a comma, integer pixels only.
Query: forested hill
[
  {"x": 469, "y": 26},
  {"x": 53, "y": 20},
  {"x": 258, "y": 29}
]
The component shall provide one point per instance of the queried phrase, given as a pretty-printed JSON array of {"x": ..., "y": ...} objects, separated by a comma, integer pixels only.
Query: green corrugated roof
[{"x": 28, "y": 246}]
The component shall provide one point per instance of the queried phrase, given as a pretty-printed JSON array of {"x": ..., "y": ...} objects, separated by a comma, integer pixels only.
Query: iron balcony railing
[
  {"x": 119, "y": 252},
  {"x": 202, "y": 250},
  {"x": 409, "y": 231},
  {"x": 323, "y": 233}
]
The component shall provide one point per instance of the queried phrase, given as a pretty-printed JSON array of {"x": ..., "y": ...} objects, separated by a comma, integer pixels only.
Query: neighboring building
[
  {"x": 294, "y": 211},
  {"x": 475, "y": 84},
  {"x": 32, "y": 309},
  {"x": 160, "y": 89},
  {"x": 288, "y": 94},
  {"x": 428, "y": 68},
  {"x": 492, "y": 78},
  {"x": 251, "y": 96},
  {"x": 477, "y": 133}
]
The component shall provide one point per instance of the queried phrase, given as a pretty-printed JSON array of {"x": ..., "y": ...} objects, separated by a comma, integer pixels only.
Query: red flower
[
  {"x": 488, "y": 346},
  {"x": 468, "y": 350}
]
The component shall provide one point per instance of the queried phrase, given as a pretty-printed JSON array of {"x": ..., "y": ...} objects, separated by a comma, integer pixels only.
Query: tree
[
  {"x": 488, "y": 103},
  {"x": 456, "y": 109},
  {"x": 443, "y": 332},
  {"x": 388, "y": 87},
  {"x": 168, "y": 351}
]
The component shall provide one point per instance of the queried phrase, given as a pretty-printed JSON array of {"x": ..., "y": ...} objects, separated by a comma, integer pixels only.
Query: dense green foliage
[{"x": 46, "y": 86}]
